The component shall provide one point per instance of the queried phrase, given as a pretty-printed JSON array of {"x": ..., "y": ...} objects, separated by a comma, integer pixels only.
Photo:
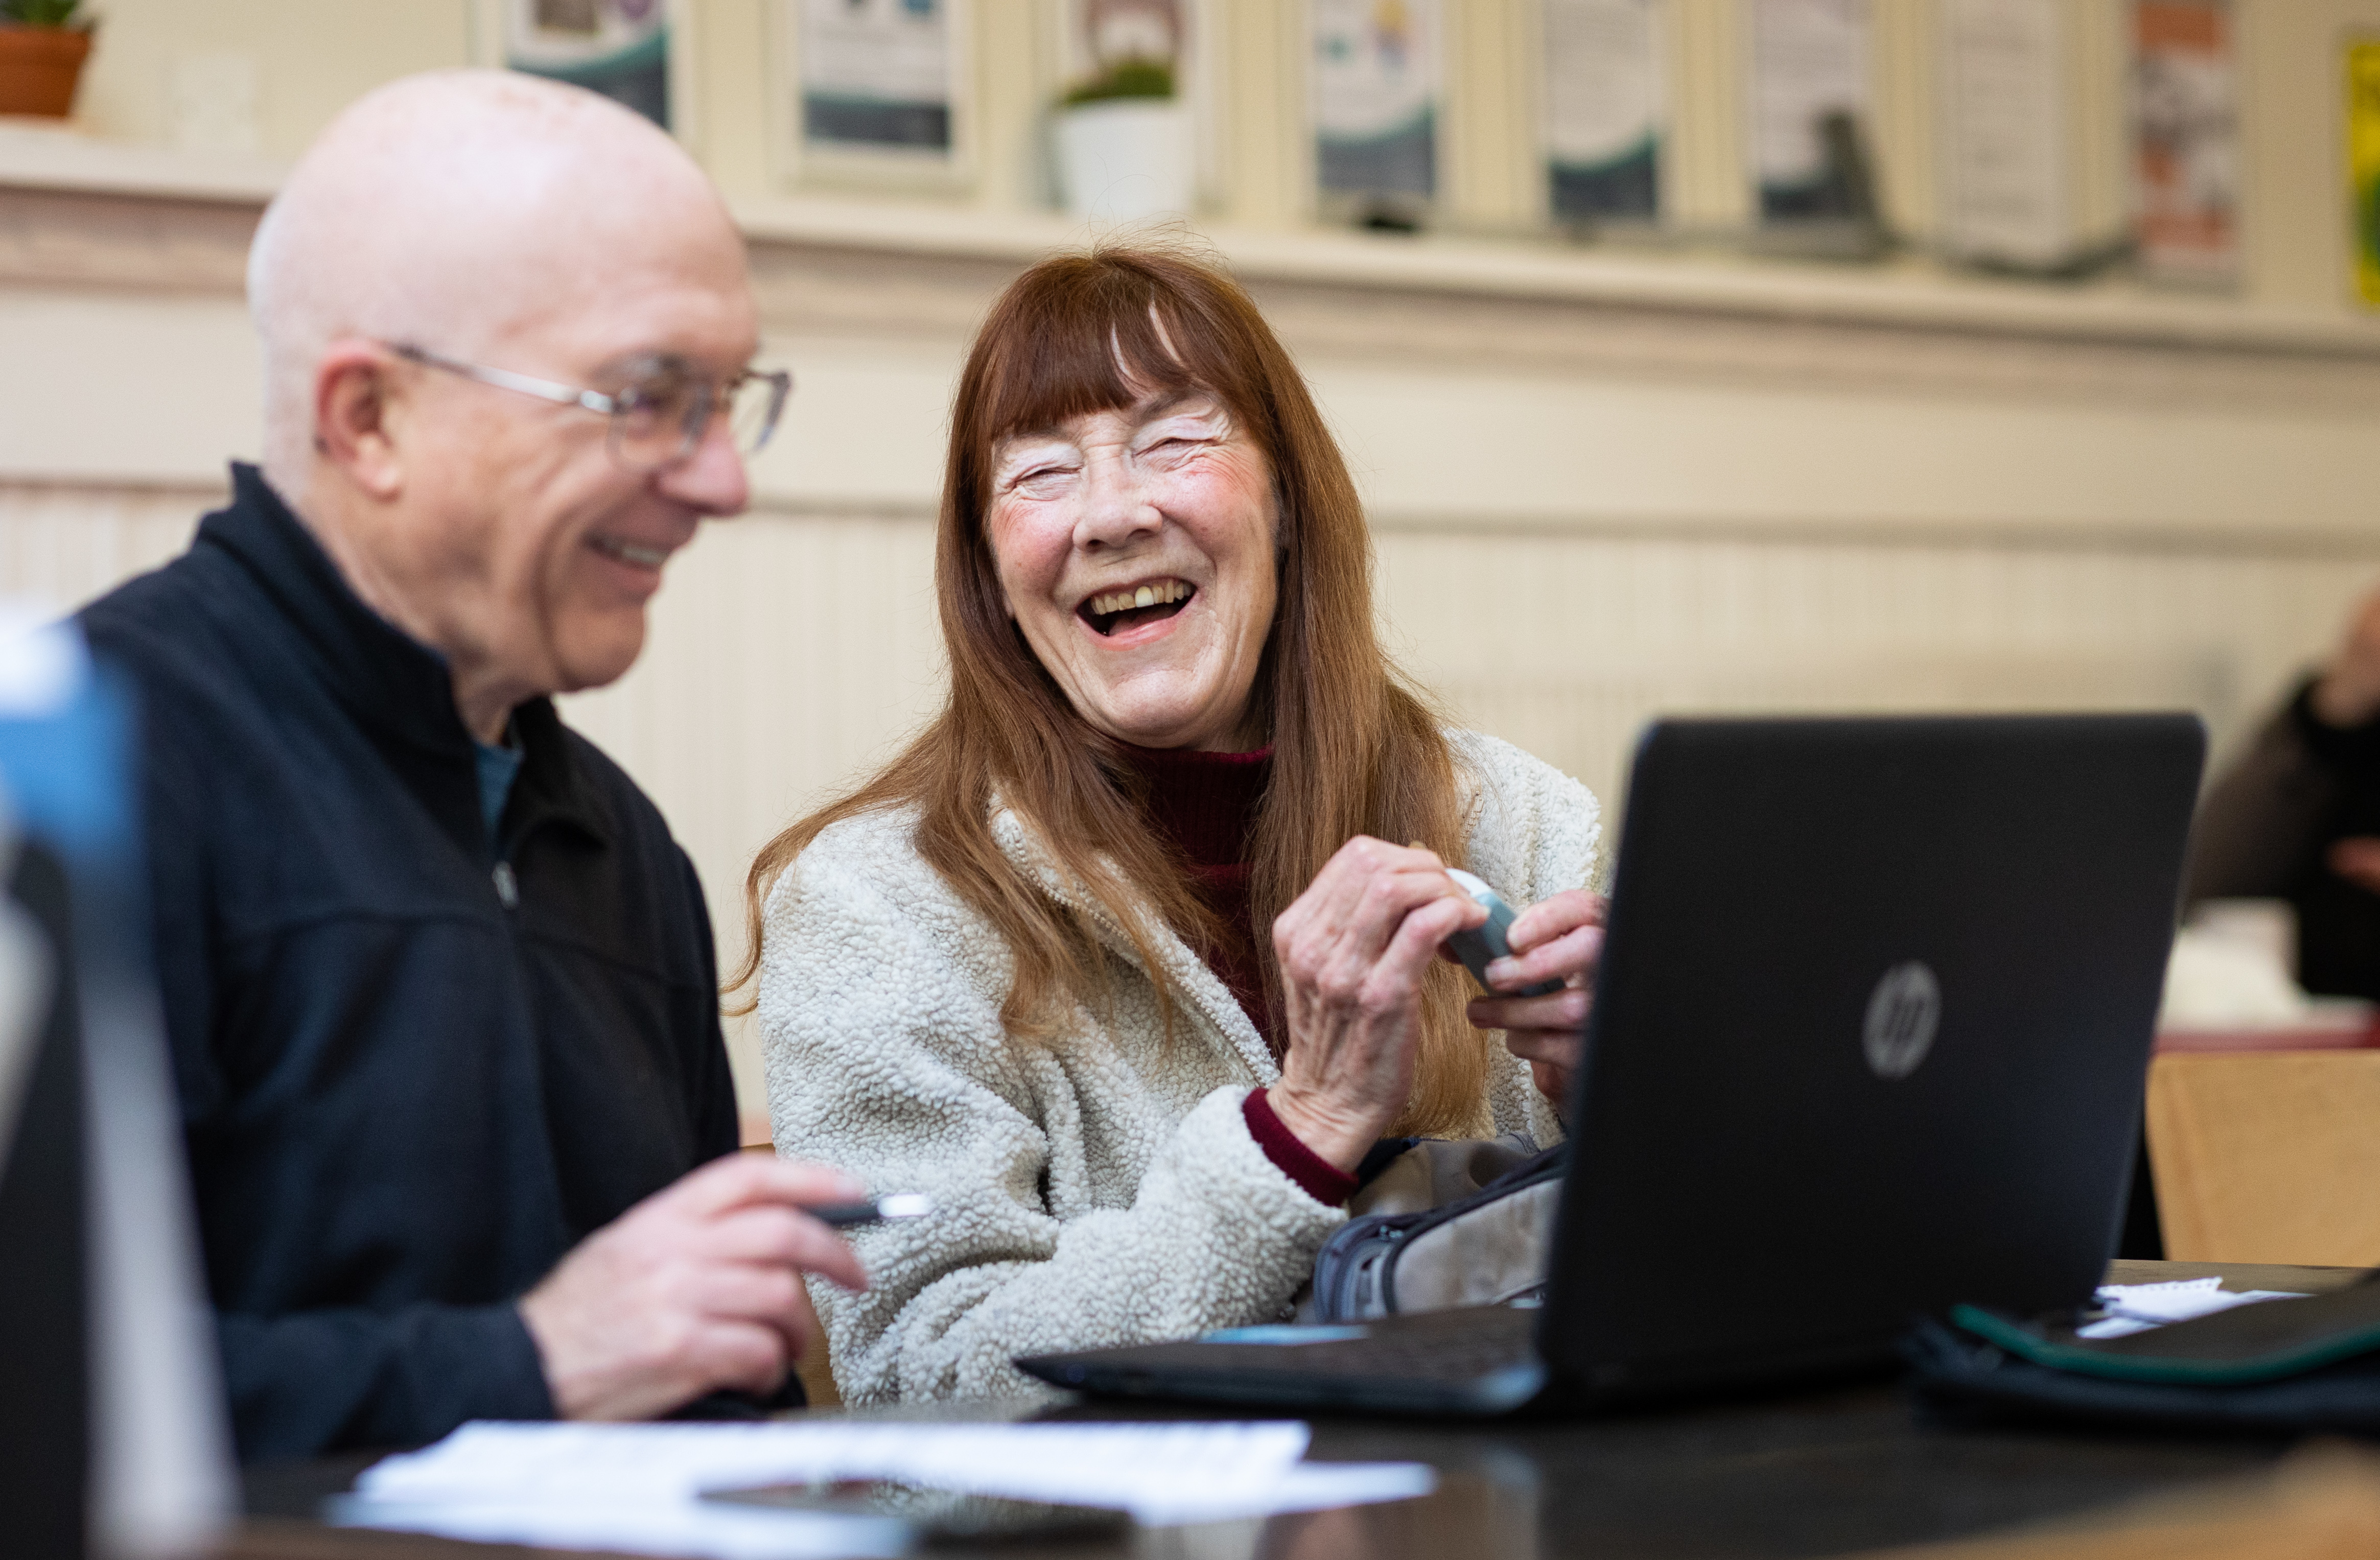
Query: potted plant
[
  {"x": 43, "y": 45},
  {"x": 1124, "y": 144}
]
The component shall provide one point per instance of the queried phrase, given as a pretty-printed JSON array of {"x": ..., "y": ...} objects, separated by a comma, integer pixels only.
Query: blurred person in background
[
  {"x": 1127, "y": 959},
  {"x": 2297, "y": 817},
  {"x": 438, "y": 982}
]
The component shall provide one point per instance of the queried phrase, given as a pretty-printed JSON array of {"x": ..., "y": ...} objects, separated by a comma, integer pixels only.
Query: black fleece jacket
[{"x": 416, "y": 1066}]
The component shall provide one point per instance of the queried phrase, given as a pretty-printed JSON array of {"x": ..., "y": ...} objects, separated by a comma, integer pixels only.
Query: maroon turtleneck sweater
[{"x": 1206, "y": 805}]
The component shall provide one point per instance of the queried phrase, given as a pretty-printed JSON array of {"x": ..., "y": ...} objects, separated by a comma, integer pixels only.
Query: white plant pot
[{"x": 1127, "y": 160}]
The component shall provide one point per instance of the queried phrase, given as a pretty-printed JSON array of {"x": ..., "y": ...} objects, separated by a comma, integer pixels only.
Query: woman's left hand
[{"x": 1555, "y": 938}]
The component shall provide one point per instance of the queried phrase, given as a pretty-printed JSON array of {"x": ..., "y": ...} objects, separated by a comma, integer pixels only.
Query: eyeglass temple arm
[{"x": 504, "y": 379}]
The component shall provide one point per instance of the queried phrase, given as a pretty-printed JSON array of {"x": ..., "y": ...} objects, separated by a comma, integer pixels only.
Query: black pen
[{"x": 875, "y": 1210}]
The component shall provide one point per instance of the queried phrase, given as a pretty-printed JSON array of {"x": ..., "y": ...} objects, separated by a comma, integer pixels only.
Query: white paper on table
[
  {"x": 2137, "y": 1308},
  {"x": 548, "y": 1482},
  {"x": 685, "y": 1528}
]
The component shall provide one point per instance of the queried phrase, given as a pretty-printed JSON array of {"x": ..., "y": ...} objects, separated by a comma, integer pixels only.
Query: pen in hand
[{"x": 874, "y": 1210}]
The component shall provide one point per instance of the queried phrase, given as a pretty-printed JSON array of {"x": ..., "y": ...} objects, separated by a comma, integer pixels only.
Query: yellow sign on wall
[{"x": 2364, "y": 163}]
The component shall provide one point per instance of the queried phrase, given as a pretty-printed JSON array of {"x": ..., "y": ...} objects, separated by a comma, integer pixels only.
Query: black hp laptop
[{"x": 1869, "y": 1040}]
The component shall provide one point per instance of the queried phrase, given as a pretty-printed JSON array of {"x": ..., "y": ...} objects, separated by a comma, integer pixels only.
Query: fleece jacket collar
[
  {"x": 397, "y": 688},
  {"x": 1180, "y": 968}
]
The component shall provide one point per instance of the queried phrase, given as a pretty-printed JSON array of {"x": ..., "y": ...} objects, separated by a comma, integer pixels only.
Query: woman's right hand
[{"x": 1353, "y": 949}]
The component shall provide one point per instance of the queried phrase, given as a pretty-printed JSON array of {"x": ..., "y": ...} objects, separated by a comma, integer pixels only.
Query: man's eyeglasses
[{"x": 661, "y": 417}]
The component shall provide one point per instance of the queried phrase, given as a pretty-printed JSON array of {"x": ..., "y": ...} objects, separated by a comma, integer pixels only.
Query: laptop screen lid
[{"x": 1869, "y": 1037}]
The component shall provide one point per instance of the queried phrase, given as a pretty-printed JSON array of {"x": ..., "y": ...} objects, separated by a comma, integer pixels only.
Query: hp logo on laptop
[{"x": 1902, "y": 1014}]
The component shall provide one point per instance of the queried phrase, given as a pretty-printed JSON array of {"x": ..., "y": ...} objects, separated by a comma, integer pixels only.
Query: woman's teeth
[
  {"x": 1161, "y": 594},
  {"x": 628, "y": 552}
]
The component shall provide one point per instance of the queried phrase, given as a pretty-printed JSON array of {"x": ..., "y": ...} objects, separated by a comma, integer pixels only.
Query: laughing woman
[{"x": 1123, "y": 960}]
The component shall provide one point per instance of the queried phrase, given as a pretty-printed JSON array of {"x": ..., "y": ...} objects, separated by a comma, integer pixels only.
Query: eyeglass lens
[{"x": 664, "y": 421}]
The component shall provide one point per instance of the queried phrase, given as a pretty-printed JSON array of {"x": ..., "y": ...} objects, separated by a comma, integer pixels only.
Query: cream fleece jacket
[{"x": 1096, "y": 1190}]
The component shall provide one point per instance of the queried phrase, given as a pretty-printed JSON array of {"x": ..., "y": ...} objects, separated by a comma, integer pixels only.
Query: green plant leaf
[
  {"x": 1125, "y": 78},
  {"x": 40, "y": 13}
]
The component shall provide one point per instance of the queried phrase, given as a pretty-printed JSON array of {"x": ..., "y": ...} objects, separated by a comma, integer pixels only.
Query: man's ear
[{"x": 356, "y": 397}]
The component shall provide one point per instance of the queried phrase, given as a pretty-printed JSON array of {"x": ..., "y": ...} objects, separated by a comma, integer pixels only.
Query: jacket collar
[
  {"x": 1200, "y": 988},
  {"x": 395, "y": 687}
]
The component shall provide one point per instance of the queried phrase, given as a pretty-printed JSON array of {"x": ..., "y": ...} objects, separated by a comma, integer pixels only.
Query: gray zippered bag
[{"x": 1489, "y": 1246}]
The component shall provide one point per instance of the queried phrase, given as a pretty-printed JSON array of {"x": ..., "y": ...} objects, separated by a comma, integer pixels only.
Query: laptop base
[{"x": 1479, "y": 1362}]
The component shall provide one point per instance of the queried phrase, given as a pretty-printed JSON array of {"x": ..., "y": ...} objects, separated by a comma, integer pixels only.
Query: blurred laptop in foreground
[{"x": 110, "y": 1405}]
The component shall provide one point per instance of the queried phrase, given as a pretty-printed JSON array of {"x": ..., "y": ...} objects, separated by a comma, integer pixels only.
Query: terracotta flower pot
[{"x": 39, "y": 67}]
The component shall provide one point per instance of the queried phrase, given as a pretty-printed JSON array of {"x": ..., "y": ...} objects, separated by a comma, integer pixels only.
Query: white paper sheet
[
  {"x": 2136, "y": 1308},
  {"x": 684, "y": 1528},
  {"x": 638, "y": 1487}
]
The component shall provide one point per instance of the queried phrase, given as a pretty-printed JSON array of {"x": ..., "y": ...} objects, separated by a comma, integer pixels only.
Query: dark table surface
[{"x": 1815, "y": 1474}]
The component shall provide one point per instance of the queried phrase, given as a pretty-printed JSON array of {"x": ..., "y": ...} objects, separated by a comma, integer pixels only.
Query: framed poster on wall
[
  {"x": 1605, "y": 110},
  {"x": 1809, "y": 110},
  {"x": 878, "y": 83},
  {"x": 2004, "y": 139},
  {"x": 620, "y": 48},
  {"x": 2185, "y": 141},
  {"x": 1376, "y": 72}
]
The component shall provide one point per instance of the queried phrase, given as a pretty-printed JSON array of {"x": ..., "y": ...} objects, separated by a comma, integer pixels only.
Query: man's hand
[
  {"x": 1559, "y": 937},
  {"x": 697, "y": 1288},
  {"x": 2349, "y": 693}
]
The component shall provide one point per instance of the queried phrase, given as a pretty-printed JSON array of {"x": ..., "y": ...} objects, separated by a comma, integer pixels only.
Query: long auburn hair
[{"x": 1357, "y": 749}]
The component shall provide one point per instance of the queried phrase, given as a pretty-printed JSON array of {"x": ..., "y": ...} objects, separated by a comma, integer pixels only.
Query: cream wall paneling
[
  {"x": 791, "y": 652},
  {"x": 305, "y": 59},
  {"x": 1600, "y": 489}
]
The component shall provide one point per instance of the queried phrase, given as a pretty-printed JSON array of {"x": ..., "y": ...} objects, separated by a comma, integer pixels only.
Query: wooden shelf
[{"x": 36, "y": 156}]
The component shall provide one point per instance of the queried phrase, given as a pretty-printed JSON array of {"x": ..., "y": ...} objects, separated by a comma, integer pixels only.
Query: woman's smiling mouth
[{"x": 1114, "y": 612}]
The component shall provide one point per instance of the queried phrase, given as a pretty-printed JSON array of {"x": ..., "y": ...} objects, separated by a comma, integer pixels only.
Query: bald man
[{"x": 439, "y": 983}]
